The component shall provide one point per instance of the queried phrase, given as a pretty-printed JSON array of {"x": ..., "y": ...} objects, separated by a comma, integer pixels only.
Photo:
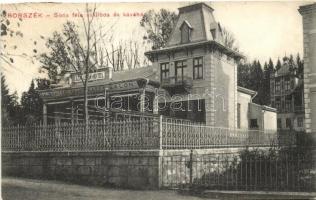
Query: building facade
[
  {"x": 254, "y": 116},
  {"x": 196, "y": 65},
  {"x": 286, "y": 92},
  {"x": 308, "y": 13},
  {"x": 193, "y": 77}
]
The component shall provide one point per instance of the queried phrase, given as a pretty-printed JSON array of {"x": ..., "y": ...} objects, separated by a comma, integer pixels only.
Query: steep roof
[
  {"x": 284, "y": 70},
  {"x": 200, "y": 18},
  {"x": 204, "y": 31},
  {"x": 142, "y": 72}
]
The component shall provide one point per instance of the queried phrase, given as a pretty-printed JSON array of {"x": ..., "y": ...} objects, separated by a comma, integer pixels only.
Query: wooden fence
[{"x": 142, "y": 133}]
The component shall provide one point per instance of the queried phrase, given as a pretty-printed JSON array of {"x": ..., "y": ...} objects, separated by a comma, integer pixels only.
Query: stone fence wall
[{"x": 125, "y": 169}]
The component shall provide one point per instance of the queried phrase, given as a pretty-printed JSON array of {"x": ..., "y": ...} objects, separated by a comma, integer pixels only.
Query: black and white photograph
[{"x": 158, "y": 100}]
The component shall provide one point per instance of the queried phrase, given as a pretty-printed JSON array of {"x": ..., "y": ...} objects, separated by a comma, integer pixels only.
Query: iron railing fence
[
  {"x": 182, "y": 134},
  {"x": 112, "y": 135},
  {"x": 135, "y": 133},
  {"x": 246, "y": 171}
]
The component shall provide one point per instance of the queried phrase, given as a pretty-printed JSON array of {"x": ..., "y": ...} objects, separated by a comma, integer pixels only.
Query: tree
[
  {"x": 229, "y": 39},
  {"x": 271, "y": 66},
  {"x": 300, "y": 66},
  {"x": 158, "y": 26},
  {"x": 251, "y": 76},
  {"x": 68, "y": 51},
  {"x": 9, "y": 105},
  {"x": 10, "y": 30},
  {"x": 243, "y": 70},
  {"x": 132, "y": 56},
  {"x": 116, "y": 56},
  {"x": 278, "y": 65},
  {"x": 32, "y": 105},
  {"x": 257, "y": 79},
  {"x": 268, "y": 70}
]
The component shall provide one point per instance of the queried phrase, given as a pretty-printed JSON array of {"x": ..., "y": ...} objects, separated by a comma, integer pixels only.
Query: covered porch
[{"x": 107, "y": 100}]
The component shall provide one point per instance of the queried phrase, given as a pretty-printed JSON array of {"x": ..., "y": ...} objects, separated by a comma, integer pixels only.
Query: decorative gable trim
[{"x": 185, "y": 22}]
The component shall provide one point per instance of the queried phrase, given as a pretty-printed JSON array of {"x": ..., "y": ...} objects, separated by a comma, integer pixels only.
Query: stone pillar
[
  {"x": 44, "y": 114},
  {"x": 308, "y": 13}
]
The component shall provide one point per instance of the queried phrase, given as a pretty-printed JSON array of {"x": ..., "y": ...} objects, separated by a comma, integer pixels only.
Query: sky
[{"x": 262, "y": 29}]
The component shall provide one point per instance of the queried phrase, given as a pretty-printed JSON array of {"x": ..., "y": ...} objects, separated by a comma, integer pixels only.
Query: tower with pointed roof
[{"x": 196, "y": 65}]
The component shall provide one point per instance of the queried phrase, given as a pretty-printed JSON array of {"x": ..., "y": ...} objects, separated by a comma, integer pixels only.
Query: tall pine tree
[
  {"x": 300, "y": 66},
  {"x": 256, "y": 77},
  {"x": 278, "y": 65},
  {"x": 9, "y": 105},
  {"x": 32, "y": 104},
  {"x": 268, "y": 70},
  {"x": 243, "y": 71}
]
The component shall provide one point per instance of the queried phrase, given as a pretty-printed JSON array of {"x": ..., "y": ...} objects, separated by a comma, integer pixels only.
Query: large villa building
[
  {"x": 193, "y": 77},
  {"x": 287, "y": 96}
]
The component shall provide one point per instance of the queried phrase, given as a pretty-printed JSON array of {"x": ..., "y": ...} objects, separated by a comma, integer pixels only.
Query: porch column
[
  {"x": 106, "y": 105},
  {"x": 142, "y": 101},
  {"x": 44, "y": 114},
  {"x": 155, "y": 105}
]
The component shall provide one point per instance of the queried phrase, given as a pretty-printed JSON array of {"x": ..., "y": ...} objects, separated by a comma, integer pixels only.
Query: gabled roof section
[
  {"x": 197, "y": 16},
  {"x": 187, "y": 24},
  {"x": 200, "y": 17}
]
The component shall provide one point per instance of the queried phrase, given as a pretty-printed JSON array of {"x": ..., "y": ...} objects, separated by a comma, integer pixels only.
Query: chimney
[{"x": 108, "y": 73}]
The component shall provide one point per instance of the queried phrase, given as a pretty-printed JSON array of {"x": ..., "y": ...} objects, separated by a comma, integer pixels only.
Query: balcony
[{"x": 176, "y": 85}]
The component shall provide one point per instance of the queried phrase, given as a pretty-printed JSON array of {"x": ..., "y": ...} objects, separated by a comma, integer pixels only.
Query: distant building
[
  {"x": 254, "y": 116},
  {"x": 286, "y": 91},
  {"x": 308, "y": 13},
  {"x": 193, "y": 77}
]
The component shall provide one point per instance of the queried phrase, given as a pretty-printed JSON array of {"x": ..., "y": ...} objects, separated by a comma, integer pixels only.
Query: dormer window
[
  {"x": 213, "y": 32},
  {"x": 186, "y": 30},
  {"x": 216, "y": 31}
]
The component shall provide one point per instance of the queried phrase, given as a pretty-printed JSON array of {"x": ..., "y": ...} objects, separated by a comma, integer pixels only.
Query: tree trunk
[{"x": 86, "y": 114}]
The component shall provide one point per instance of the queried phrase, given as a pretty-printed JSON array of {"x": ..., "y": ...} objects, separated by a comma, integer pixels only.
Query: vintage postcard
[{"x": 216, "y": 99}]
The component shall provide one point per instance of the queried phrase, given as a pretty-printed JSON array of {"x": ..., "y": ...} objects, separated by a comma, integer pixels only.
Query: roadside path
[{"x": 30, "y": 189}]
